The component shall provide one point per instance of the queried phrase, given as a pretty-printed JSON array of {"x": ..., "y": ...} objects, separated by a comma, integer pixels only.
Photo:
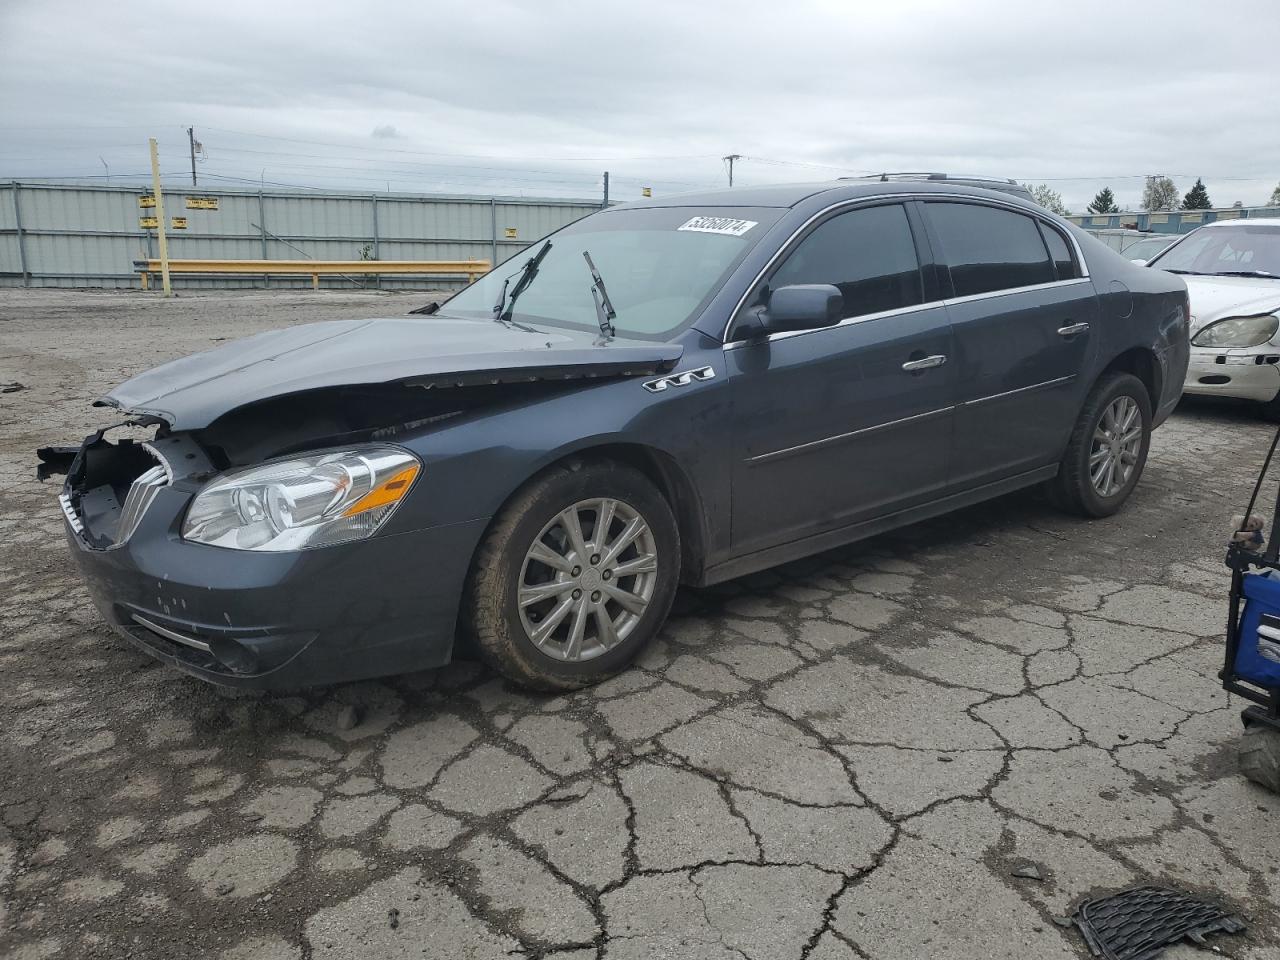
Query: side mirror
[
  {"x": 801, "y": 306},
  {"x": 1141, "y": 263}
]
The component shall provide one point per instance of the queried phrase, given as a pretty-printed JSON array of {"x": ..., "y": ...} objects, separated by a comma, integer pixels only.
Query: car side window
[
  {"x": 1064, "y": 263},
  {"x": 988, "y": 249},
  {"x": 869, "y": 254}
]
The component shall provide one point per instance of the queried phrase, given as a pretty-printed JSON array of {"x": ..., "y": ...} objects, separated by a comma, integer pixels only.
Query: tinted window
[
  {"x": 988, "y": 249},
  {"x": 867, "y": 253},
  {"x": 1060, "y": 253}
]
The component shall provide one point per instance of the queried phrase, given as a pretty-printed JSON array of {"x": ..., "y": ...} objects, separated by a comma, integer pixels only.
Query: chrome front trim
[
  {"x": 172, "y": 634},
  {"x": 813, "y": 444},
  {"x": 1014, "y": 393},
  {"x": 69, "y": 512},
  {"x": 922, "y": 197}
]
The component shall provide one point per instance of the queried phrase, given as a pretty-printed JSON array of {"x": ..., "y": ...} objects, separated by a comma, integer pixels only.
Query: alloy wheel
[
  {"x": 587, "y": 579},
  {"x": 1117, "y": 441}
]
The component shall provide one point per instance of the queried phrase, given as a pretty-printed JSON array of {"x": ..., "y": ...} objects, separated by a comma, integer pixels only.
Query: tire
[
  {"x": 1073, "y": 489},
  {"x": 502, "y": 627},
  {"x": 1260, "y": 756},
  {"x": 1270, "y": 410}
]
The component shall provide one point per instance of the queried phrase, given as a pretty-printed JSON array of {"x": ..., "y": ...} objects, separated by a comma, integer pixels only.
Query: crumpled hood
[
  {"x": 1214, "y": 298},
  {"x": 433, "y": 351}
]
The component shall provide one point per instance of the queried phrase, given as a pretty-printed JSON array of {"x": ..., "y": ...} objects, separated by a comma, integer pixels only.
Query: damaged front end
[{"x": 225, "y": 528}]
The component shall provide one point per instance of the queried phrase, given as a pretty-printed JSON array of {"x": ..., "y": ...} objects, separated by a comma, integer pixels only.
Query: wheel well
[
  {"x": 1142, "y": 363},
  {"x": 670, "y": 479}
]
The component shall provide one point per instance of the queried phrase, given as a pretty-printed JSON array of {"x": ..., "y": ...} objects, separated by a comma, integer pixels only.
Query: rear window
[{"x": 987, "y": 249}]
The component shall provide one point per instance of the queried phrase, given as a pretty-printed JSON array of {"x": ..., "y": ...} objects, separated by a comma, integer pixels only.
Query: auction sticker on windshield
[{"x": 730, "y": 228}]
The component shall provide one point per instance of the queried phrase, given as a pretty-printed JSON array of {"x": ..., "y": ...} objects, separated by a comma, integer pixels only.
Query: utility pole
[
  {"x": 191, "y": 139},
  {"x": 605, "y": 204},
  {"x": 730, "y": 158},
  {"x": 164, "y": 243}
]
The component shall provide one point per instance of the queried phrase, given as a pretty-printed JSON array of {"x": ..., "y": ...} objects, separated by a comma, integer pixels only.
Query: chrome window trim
[
  {"x": 787, "y": 451},
  {"x": 1009, "y": 393},
  {"x": 846, "y": 322},
  {"x": 899, "y": 311},
  {"x": 901, "y": 197},
  {"x": 992, "y": 294}
]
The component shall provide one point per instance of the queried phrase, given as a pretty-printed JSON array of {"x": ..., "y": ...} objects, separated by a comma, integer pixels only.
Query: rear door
[
  {"x": 1024, "y": 319},
  {"x": 830, "y": 427}
]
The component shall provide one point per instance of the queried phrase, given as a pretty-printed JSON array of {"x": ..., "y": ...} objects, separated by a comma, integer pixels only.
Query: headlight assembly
[
  {"x": 1238, "y": 332},
  {"x": 302, "y": 502}
]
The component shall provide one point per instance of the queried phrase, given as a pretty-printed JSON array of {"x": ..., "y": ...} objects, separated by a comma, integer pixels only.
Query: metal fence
[
  {"x": 1171, "y": 221},
  {"x": 89, "y": 236}
]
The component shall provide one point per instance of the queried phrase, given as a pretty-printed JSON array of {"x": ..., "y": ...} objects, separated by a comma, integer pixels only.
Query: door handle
[
  {"x": 937, "y": 360},
  {"x": 1072, "y": 329}
]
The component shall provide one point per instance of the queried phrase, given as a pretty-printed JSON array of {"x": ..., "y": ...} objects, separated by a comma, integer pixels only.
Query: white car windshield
[
  {"x": 1249, "y": 250},
  {"x": 660, "y": 265}
]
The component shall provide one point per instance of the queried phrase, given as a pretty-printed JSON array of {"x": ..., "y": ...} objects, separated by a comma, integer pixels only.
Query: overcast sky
[{"x": 539, "y": 97}]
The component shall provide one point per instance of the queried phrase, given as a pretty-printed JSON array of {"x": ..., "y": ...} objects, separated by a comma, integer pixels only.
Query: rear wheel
[
  {"x": 1271, "y": 409},
  {"x": 1260, "y": 756},
  {"x": 1107, "y": 450},
  {"x": 575, "y": 577}
]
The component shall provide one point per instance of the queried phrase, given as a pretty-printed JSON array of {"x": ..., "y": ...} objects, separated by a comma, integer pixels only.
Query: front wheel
[
  {"x": 1107, "y": 450},
  {"x": 575, "y": 577}
]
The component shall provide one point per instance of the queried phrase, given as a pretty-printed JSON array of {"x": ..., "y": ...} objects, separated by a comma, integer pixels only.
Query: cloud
[{"x": 541, "y": 98}]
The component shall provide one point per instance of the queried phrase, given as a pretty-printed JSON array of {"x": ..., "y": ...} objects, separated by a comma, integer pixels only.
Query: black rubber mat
[{"x": 1139, "y": 924}]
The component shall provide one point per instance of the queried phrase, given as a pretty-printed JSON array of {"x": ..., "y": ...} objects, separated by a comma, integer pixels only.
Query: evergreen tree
[
  {"x": 1275, "y": 197},
  {"x": 1197, "y": 197},
  {"x": 1160, "y": 193},
  {"x": 1104, "y": 202}
]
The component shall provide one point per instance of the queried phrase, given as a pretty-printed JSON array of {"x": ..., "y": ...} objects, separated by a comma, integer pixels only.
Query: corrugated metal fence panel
[{"x": 90, "y": 235}]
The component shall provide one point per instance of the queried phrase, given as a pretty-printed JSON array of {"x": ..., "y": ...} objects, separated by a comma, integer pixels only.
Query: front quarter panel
[{"x": 471, "y": 466}]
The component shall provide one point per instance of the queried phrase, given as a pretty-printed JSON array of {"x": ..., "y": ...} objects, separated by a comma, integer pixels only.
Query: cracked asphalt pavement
[{"x": 847, "y": 757}]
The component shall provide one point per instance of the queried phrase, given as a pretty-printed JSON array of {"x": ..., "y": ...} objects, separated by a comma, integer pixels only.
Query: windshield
[
  {"x": 661, "y": 266},
  {"x": 1237, "y": 249},
  {"x": 1146, "y": 249}
]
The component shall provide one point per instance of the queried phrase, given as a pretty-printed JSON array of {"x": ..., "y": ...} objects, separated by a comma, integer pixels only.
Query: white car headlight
[
  {"x": 302, "y": 502},
  {"x": 1238, "y": 332}
]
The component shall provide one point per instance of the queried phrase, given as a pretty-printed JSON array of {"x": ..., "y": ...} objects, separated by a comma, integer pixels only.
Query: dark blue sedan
[{"x": 672, "y": 391}]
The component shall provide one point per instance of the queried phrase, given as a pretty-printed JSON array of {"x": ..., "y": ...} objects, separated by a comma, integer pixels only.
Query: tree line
[{"x": 1160, "y": 193}]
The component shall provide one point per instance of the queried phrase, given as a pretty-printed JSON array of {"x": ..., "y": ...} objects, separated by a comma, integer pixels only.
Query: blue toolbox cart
[{"x": 1252, "y": 667}]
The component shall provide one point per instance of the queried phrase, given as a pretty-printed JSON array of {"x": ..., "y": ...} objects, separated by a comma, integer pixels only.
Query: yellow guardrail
[{"x": 471, "y": 269}]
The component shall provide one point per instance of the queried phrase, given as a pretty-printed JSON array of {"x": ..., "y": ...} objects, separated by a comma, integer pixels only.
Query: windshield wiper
[
  {"x": 1248, "y": 273},
  {"x": 1194, "y": 273},
  {"x": 605, "y": 314},
  {"x": 502, "y": 309}
]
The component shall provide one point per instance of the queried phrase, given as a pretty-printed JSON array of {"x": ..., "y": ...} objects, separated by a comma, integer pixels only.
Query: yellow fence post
[{"x": 164, "y": 243}]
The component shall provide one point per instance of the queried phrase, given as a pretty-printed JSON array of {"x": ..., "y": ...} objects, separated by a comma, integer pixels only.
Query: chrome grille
[{"x": 141, "y": 493}]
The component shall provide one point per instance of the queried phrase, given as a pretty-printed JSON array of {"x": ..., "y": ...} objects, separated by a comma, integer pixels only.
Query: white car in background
[
  {"x": 1144, "y": 250},
  {"x": 1232, "y": 272}
]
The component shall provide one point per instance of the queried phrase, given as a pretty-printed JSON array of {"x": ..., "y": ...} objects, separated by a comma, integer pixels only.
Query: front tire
[
  {"x": 575, "y": 577},
  {"x": 1107, "y": 450}
]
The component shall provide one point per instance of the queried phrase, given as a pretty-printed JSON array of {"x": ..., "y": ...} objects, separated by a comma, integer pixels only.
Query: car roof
[{"x": 791, "y": 194}]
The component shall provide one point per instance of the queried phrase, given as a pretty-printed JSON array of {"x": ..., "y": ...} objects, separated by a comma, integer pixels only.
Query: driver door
[{"x": 845, "y": 423}]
